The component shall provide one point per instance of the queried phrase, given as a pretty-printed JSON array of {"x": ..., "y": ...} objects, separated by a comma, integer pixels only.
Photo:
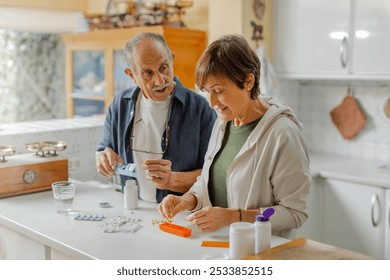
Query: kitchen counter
[
  {"x": 355, "y": 170},
  {"x": 34, "y": 216}
]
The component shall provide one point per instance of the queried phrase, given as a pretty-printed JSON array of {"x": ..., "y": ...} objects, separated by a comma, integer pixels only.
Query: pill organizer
[
  {"x": 89, "y": 217},
  {"x": 126, "y": 170},
  {"x": 175, "y": 229}
]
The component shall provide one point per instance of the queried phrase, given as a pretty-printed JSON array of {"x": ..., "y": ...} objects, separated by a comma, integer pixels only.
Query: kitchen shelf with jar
[{"x": 95, "y": 63}]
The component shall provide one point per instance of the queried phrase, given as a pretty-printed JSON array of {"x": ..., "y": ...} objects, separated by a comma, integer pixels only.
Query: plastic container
[
  {"x": 130, "y": 194},
  {"x": 263, "y": 231},
  {"x": 241, "y": 240}
]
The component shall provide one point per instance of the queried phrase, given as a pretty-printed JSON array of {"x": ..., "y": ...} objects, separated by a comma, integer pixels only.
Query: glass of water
[{"x": 63, "y": 193}]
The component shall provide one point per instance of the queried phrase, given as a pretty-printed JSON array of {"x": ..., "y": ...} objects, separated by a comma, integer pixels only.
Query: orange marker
[{"x": 175, "y": 229}]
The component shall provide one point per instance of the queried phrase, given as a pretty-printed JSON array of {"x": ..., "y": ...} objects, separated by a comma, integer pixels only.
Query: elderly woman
[{"x": 256, "y": 158}]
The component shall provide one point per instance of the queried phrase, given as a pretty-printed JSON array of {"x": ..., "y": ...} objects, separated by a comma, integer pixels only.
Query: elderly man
[{"x": 159, "y": 125}]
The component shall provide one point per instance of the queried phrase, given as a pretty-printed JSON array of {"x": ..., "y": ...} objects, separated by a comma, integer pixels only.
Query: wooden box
[{"x": 28, "y": 173}]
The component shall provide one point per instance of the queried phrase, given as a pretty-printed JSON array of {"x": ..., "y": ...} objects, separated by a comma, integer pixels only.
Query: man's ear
[{"x": 128, "y": 72}]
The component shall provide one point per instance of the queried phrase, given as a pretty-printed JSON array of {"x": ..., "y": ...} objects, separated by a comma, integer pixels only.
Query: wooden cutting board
[{"x": 306, "y": 249}]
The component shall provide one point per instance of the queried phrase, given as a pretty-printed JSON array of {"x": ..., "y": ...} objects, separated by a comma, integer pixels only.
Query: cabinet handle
[
  {"x": 344, "y": 52},
  {"x": 375, "y": 201}
]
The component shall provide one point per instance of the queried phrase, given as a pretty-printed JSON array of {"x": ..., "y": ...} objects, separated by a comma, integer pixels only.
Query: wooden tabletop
[{"x": 305, "y": 249}]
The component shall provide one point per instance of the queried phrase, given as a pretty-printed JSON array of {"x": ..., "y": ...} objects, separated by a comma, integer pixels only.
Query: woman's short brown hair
[{"x": 229, "y": 57}]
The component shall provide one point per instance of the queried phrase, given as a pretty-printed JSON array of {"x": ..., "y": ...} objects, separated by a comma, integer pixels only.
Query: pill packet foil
[{"x": 121, "y": 224}]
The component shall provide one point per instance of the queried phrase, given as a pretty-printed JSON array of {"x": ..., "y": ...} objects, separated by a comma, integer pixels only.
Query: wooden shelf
[
  {"x": 68, "y": 5},
  {"x": 89, "y": 97}
]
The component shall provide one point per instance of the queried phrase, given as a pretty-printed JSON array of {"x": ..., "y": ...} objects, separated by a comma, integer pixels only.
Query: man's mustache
[{"x": 160, "y": 88}]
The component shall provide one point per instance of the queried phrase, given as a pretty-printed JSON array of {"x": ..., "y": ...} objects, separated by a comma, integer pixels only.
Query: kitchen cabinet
[
  {"x": 353, "y": 217},
  {"x": 371, "y": 38},
  {"x": 332, "y": 39},
  {"x": 16, "y": 246},
  {"x": 95, "y": 63}
]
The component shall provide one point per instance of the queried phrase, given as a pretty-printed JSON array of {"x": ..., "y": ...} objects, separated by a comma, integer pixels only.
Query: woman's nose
[{"x": 212, "y": 100}]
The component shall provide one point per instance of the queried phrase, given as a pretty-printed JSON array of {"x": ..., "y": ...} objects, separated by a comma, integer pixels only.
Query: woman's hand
[
  {"x": 212, "y": 218},
  {"x": 173, "y": 204}
]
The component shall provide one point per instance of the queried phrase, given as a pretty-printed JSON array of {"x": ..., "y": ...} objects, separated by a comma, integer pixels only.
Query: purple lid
[{"x": 266, "y": 214}]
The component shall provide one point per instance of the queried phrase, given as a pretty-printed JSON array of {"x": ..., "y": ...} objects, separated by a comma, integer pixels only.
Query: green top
[{"x": 233, "y": 140}]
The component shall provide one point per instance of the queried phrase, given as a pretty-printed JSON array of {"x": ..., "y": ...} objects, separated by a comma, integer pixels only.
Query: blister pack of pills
[
  {"x": 121, "y": 224},
  {"x": 126, "y": 170},
  {"x": 89, "y": 217}
]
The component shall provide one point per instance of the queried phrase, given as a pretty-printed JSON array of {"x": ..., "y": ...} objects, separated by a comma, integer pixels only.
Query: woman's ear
[{"x": 249, "y": 82}]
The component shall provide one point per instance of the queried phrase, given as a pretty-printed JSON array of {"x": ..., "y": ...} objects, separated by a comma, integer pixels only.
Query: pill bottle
[
  {"x": 263, "y": 230},
  {"x": 241, "y": 240},
  {"x": 130, "y": 194}
]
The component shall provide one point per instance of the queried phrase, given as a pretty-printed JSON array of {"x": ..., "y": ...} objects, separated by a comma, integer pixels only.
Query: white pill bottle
[
  {"x": 263, "y": 230},
  {"x": 130, "y": 195}
]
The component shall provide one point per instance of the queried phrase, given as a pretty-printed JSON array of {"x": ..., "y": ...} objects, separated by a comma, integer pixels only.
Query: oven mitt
[{"x": 348, "y": 117}]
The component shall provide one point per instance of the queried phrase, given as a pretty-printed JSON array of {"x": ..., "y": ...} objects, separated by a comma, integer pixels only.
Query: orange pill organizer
[{"x": 175, "y": 229}]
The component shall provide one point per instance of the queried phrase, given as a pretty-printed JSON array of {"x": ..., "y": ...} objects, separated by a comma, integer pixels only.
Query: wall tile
[{"x": 313, "y": 102}]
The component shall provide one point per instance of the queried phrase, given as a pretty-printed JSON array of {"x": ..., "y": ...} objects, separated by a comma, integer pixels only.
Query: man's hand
[
  {"x": 106, "y": 161},
  {"x": 159, "y": 172}
]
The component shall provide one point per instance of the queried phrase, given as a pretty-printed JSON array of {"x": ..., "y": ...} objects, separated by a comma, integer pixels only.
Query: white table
[{"x": 34, "y": 216}]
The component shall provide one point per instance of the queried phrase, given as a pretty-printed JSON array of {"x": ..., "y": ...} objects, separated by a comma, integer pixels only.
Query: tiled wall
[
  {"x": 313, "y": 102},
  {"x": 80, "y": 134}
]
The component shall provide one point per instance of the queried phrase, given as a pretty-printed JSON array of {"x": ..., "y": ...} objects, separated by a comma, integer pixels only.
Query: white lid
[
  {"x": 131, "y": 183},
  {"x": 242, "y": 227}
]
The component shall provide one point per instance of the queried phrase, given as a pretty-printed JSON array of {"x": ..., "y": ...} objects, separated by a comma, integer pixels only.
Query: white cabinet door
[
  {"x": 332, "y": 39},
  {"x": 353, "y": 217},
  {"x": 311, "y": 229},
  {"x": 15, "y": 246},
  {"x": 387, "y": 225},
  {"x": 371, "y": 37},
  {"x": 309, "y": 37}
]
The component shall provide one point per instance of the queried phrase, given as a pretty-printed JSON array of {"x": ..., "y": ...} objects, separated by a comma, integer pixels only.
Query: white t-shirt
[{"x": 149, "y": 125}]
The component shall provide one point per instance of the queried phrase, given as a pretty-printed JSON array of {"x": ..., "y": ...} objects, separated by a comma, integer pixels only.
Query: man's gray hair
[{"x": 131, "y": 44}]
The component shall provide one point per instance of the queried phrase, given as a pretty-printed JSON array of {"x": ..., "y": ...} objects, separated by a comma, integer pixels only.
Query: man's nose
[{"x": 159, "y": 79}]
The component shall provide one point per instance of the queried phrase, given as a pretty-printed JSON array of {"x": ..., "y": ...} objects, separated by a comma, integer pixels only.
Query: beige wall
[
  {"x": 235, "y": 16},
  {"x": 96, "y": 7},
  {"x": 197, "y": 16}
]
